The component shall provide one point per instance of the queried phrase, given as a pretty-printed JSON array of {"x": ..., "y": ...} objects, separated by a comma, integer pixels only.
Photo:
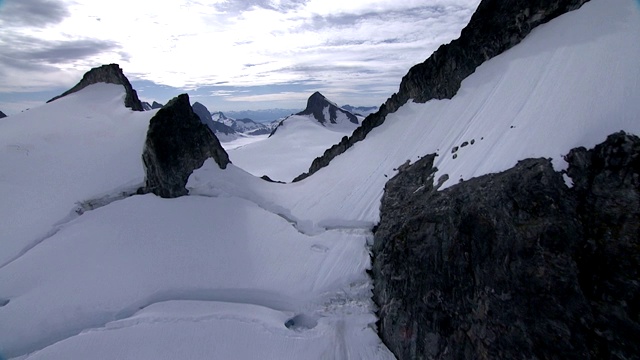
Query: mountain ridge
[{"x": 495, "y": 27}]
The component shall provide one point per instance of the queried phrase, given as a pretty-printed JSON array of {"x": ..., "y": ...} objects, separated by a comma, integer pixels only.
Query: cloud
[
  {"x": 48, "y": 52},
  {"x": 351, "y": 48},
  {"x": 32, "y": 13}
]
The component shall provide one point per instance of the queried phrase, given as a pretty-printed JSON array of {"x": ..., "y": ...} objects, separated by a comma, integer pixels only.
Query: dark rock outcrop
[
  {"x": 514, "y": 265},
  {"x": 146, "y": 106},
  {"x": 496, "y": 26},
  {"x": 177, "y": 143},
  {"x": 2, "y": 115},
  {"x": 110, "y": 74},
  {"x": 317, "y": 103},
  {"x": 156, "y": 105}
]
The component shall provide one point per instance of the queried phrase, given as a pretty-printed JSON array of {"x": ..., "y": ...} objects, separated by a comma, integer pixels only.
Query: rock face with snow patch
[
  {"x": 326, "y": 112},
  {"x": 515, "y": 264},
  {"x": 496, "y": 26},
  {"x": 110, "y": 74},
  {"x": 177, "y": 143}
]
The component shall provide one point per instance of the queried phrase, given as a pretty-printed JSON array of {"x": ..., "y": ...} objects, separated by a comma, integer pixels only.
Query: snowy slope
[
  {"x": 78, "y": 148},
  {"x": 196, "y": 277},
  {"x": 244, "y": 268},
  {"x": 570, "y": 83},
  {"x": 290, "y": 150}
]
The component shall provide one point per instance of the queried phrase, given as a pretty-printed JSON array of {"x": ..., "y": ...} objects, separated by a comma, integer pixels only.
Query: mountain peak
[
  {"x": 110, "y": 74},
  {"x": 2, "y": 115},
  {"x": 326, "y": 111}
]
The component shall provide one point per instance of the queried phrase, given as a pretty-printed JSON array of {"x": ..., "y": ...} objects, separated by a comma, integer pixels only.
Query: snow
[
  {"x": 91, "y": 267},
  {"x": 57, "y": 155},
  {"x": 291, "y": 149},
  {"x": 244, "y": 268},
  {"x": 570, "y": 83}
]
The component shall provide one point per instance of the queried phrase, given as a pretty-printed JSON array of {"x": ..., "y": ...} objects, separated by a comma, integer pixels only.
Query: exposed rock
[
  {"x": 146, "y": 106},
  {"x": 316, "y": 105},
  {"x": 177, "y": 143},
  {"x": 516, "y": 264},
  {"x": 205, "y": 117},
  {"x": 496, "y": 26},
  {"x": 2, "y": 115},
  {"x": 110, "y": 74},
  {"x": 156, "y": 105}
]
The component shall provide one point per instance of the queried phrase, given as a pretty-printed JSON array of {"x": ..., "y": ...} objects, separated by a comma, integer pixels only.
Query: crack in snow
[{"x": 82, "y": 207}]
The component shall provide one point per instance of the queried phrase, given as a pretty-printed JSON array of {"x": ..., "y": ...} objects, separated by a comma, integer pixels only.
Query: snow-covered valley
[{"x": 248, "y": 269}]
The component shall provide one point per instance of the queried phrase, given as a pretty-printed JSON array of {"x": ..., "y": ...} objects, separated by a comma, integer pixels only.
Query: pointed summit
[
  {"x": 110, "y": 74},
  {"x": 2, "y": 115},
  {"x": 326, "y": 111}
]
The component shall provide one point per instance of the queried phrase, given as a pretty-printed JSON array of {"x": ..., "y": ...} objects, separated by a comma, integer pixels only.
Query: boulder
[{"x": 177, "y": 143}]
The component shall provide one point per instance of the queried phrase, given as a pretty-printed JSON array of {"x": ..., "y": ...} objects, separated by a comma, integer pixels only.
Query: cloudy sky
[{"x": 227, "y": 54}]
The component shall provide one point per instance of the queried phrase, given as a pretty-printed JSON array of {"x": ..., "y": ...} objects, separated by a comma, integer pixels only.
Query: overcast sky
[{"x": 229, "y": 55}]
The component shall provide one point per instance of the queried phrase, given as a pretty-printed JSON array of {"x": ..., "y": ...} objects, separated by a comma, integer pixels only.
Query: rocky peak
[
  {"x": 2, "y": 115},
  {"x": 221, "y": 116},
  {"x": 110, "y": 74},
  {"x": 202, "y": 112},
  {"x": 316, "y": 105},
  {"x": 496, "y": 26},
  {"x": 156, "y": 105},
  {"x": 177, "y": 143}
]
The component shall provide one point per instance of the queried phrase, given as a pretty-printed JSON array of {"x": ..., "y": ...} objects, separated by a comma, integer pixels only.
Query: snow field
[
  {"x": 292, "y": 148},
  {"x": 71, "y": 150}
]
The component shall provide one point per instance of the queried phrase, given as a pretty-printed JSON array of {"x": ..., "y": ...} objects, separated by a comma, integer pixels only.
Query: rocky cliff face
[
  {"x": 110, "y": 74},
  {"x": 496, "y": 26},
  {"x": 316, "y": 105},
  {"x": 516, "y": 264},
  {"x": 177, "y": 143}
]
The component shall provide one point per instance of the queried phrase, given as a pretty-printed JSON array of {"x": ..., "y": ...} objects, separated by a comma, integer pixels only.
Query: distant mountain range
[{"x": 261, "y": 116}]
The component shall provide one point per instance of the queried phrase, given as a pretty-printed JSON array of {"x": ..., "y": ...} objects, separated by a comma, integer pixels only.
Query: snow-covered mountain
[
  {"x": 222, "y": 130},
  {"x": 326, "y": 112},
  {"x": 295, "y": 141},
  {"x": 245, "y": 268},
  {"x": 245, "y": 126},
  {"x": 262, "y": 116}
]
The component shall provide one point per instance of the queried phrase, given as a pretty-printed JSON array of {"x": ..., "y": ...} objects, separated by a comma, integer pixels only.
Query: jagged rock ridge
[
  {"x": 316, "y": 105},
  {"x": 110, "y": 74},
  {"x": 515, "y": 264},
  {"x": 496, "y": 26},
  {"x": 177, "y": 143}
]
